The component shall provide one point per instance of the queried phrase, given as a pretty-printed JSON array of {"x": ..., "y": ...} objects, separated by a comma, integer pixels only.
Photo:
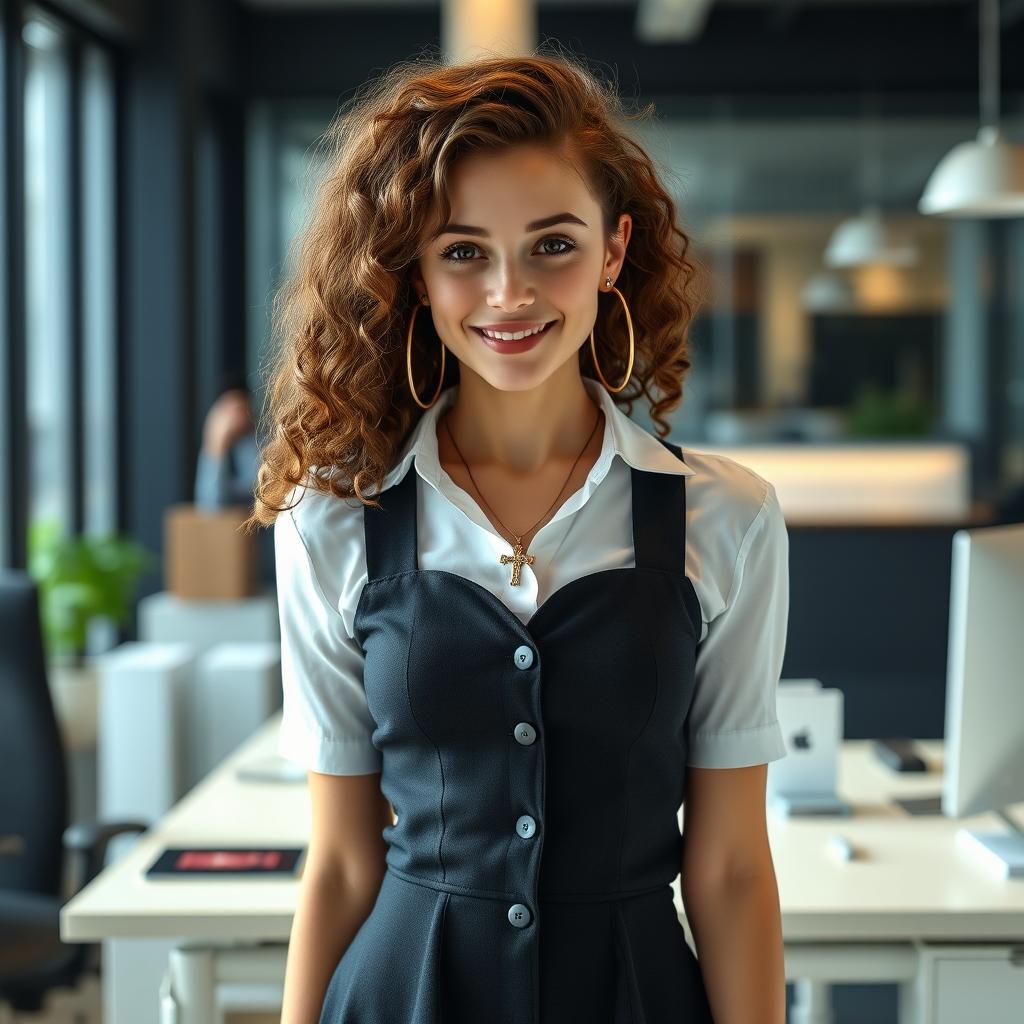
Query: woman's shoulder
[
  {"x": 724, "y": 493},
  {"x": 325, "y": 532},
  {"x": 318, "y": 514},
  {"x": 730, "y": 507}
]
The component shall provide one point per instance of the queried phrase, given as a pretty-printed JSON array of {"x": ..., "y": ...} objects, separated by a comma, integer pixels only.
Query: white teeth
[{"x": 504, "y": 336}]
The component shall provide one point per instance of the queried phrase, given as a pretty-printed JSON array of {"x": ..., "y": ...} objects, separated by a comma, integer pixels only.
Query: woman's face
[{"x": 495, "y": 264}]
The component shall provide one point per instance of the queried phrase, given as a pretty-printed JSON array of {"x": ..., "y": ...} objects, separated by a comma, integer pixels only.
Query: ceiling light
[
  {"x": 865, "y": 240},
  {"x": 983, "y": 177}
]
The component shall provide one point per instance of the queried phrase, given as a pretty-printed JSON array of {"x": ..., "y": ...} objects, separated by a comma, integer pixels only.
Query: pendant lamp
[
  {"x": 828, "y": 292},
  {"x": 866, "y": 239},
  {"x": 984, "y": 177}
]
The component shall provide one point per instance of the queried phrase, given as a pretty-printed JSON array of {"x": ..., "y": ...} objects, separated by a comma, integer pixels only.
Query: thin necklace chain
[{"x": 519, "y": 537}]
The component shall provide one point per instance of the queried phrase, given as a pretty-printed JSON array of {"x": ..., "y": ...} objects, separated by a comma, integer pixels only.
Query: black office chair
[{"x": 34, "y": 831}]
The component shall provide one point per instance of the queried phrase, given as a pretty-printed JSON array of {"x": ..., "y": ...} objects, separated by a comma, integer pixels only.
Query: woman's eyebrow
[{"x": 535, "y": 225}]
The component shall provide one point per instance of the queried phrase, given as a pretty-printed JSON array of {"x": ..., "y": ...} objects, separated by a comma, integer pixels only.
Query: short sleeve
[
  {"x": 326, "y": 725},
  {"x": 732, "y": 721}
]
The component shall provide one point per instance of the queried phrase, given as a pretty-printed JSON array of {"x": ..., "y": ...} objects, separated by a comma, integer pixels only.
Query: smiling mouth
[{"x": 516, "y": 341}]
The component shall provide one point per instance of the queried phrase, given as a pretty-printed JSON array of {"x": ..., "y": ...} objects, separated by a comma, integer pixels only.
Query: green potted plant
[
  {"x": 80, "y": 579},
  {"x": 878, "y": 413}
]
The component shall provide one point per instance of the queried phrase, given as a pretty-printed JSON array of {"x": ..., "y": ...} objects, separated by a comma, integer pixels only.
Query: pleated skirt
[{"x": 431, "y": 956}]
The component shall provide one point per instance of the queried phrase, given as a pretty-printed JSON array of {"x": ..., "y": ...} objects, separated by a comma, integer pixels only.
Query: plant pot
[{"x": 73, "y": 689}]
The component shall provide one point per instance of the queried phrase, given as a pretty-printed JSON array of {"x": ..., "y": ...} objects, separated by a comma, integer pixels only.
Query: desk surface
[{"x": 913, "y": 883}]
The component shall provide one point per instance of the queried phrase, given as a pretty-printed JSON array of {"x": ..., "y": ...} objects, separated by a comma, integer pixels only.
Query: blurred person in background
[
  {"x": 229, "y": 457},
  {"x": 228, "y": 462}
]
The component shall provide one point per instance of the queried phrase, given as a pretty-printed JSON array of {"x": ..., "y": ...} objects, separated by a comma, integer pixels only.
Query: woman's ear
[
  {"x": 418, "y": 284},
  {"x": 617, "y": 247}
]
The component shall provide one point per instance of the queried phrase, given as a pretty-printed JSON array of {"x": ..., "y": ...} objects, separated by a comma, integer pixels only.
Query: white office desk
[{"x": 883, "y": 918}]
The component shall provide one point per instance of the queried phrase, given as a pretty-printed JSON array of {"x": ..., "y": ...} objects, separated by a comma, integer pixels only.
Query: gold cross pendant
[{"x": 517, "y": 559}]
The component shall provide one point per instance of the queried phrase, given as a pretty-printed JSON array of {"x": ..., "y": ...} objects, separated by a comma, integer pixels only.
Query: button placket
[{"x": 525, "y": 659}]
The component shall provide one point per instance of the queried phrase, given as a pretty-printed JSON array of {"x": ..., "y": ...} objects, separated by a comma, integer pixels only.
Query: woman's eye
[
  {"x": 561, "y": 241},
  {"x": 457, "y": 247},
  {"x": 448, "y": 253}
]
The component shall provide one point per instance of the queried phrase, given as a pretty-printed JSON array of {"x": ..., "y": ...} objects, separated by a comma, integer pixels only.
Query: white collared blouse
[{"x": 737, "y": 557}]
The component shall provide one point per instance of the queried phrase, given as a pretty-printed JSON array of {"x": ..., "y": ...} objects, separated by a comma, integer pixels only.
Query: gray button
[
  {"x": 525, "y": 826},
  {"x": 525, "y": 733},
  {"x": 523, "y": 657},
  {"x": 519, "y": 915}
]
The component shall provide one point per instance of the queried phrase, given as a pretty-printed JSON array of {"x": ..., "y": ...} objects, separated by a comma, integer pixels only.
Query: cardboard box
[{"x": 206, "y": 557}]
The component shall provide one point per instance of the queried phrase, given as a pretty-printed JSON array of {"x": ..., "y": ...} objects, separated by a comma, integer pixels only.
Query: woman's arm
[
  {"x": 731, "y": 896},
  {"x": 340, "y": 882}
]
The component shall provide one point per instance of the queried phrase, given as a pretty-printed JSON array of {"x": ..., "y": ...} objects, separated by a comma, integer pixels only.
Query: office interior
[{"x": 862, "y": 352}]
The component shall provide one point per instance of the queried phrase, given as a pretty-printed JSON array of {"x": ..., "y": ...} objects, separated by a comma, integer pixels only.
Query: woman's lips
[{"x": 515, "y": 346}]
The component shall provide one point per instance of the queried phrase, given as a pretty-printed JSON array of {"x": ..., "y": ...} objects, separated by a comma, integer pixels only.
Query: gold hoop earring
[
  {"x": 593, "y": 349},
  {"x": 408, "y": 361}
]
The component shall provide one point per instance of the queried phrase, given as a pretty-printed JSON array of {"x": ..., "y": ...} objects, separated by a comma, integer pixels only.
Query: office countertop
[{"x": 979, "y": 513}]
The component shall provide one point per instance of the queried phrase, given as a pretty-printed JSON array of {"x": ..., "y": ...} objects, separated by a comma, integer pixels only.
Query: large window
[
  {"x": 48, "y": 272},
  {"x": 64, "y": 352}
]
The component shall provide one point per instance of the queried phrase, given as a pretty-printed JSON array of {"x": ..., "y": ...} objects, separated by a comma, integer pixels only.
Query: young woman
[{"x": 512, "y": 618}]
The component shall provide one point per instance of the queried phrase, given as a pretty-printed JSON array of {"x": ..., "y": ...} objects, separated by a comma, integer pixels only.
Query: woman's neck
[{"x": 518, "y": 432}]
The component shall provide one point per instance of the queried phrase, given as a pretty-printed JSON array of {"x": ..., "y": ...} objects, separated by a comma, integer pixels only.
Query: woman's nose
[{"x": 511, "y": 291}]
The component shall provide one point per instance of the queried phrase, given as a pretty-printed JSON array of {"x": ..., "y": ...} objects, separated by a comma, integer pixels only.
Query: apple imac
[{"x": 984, "y": 732}]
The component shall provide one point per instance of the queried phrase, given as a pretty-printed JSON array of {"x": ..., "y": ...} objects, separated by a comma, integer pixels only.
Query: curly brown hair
[{"x": 338, "y": 396}]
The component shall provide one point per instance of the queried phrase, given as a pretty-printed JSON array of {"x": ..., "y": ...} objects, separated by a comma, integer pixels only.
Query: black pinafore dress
[{"x": 536, "y": 771}]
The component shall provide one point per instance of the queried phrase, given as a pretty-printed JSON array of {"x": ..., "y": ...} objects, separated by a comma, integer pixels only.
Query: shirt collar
[{"x": 623, "y": 437}]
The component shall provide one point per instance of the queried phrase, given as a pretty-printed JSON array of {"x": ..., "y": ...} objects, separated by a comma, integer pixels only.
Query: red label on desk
[{"x": 227, "y": 861}]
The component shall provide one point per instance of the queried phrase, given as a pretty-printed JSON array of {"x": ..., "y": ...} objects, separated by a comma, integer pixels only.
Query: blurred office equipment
[
  {"x": 176, "y": 709},
  {"x": 899, "y": 754},
  {"x": 237, "y": 687},
  {"x": 244, "y": 640},
  {"x": 165, "y": 618},
  {"x": 230, "y": 681},
  {"x": 804, "y": 781},
  {"x": 142, "y": 714},
  {"x": 43, "y": 860},
  {"x": 984, "y": 768}
]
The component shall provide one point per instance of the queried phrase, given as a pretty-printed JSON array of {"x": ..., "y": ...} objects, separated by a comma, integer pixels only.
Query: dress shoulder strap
[
  {"x": 390, "y": 531},
  {"x": 659, "y": 517}
]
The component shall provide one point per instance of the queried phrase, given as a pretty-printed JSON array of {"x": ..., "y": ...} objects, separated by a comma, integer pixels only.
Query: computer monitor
[{"x": 984, "y": 734}]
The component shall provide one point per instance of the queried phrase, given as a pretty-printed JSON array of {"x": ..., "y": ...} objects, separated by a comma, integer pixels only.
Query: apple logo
[{"x": 801, "y": 740}]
